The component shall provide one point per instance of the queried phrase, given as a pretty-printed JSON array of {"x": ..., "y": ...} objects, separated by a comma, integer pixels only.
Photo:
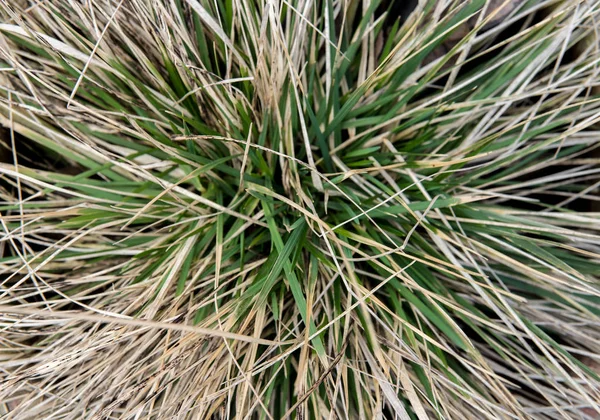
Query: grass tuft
[{"x": 299, "y": 209}]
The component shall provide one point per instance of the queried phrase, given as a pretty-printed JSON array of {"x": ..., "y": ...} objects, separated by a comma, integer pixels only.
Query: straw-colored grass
[{"x": 299, "y": 209}]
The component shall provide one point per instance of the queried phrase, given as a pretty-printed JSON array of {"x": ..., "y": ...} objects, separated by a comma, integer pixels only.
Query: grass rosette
[{"x": 294, "y": 209}]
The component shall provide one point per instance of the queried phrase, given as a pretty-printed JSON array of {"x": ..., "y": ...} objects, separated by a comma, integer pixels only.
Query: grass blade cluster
[{"x": 299, "y": 209}]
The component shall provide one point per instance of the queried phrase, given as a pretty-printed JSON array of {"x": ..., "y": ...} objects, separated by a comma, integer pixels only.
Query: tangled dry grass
[{"x": 299, "y": 209}]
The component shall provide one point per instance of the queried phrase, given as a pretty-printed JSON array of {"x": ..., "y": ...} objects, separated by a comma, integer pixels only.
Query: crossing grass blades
[{"x": 299, "y": 209}]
